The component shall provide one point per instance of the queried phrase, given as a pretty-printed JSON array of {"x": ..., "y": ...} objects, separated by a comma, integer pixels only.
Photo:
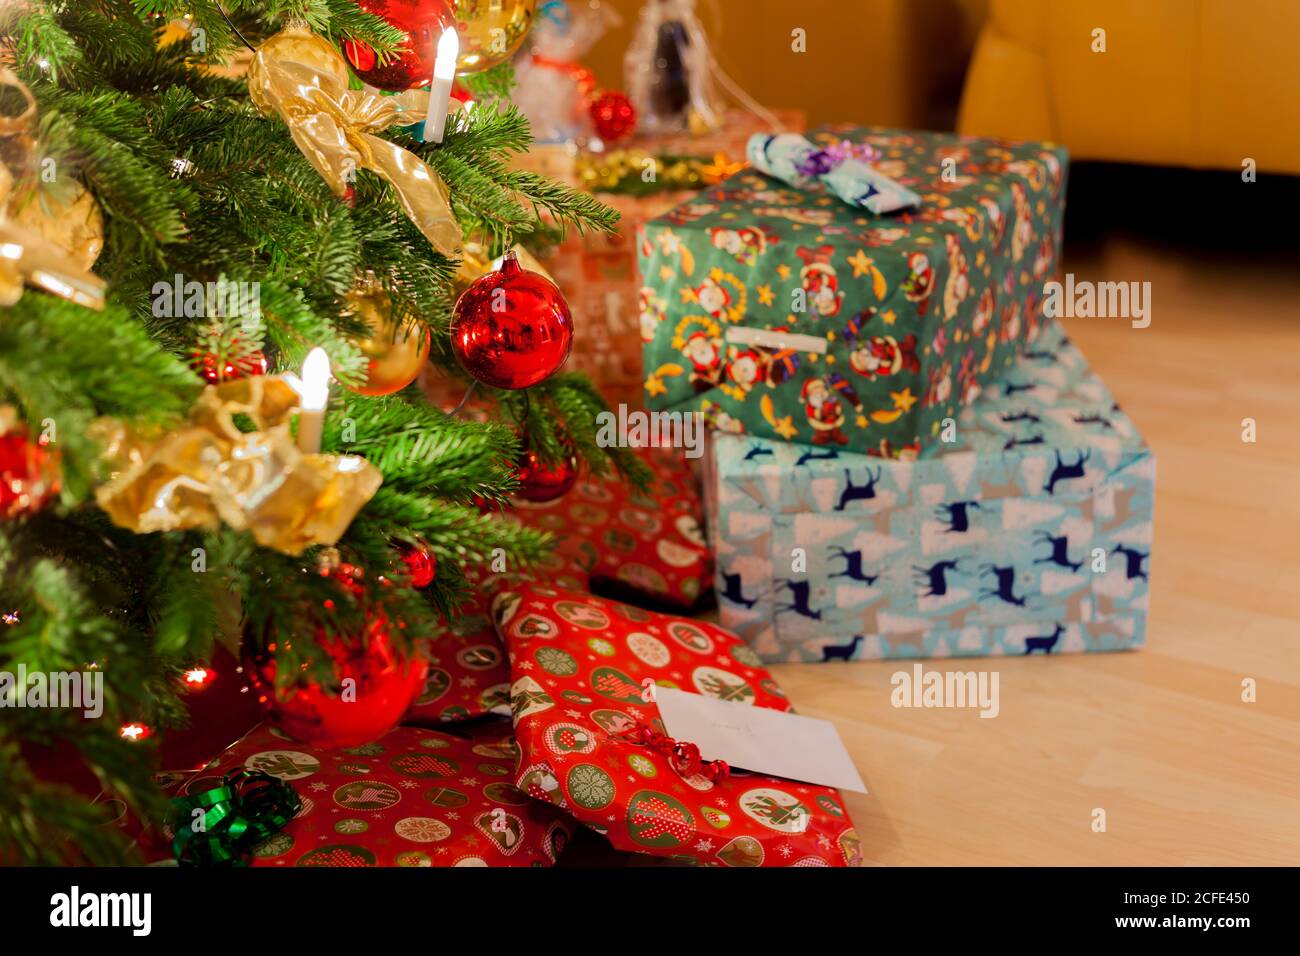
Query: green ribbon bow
[{"x": 248, "y": 807}]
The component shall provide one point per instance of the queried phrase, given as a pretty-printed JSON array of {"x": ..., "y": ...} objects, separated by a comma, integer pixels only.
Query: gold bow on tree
[
  {"x": 208, "y": 472},
  {"x": 50, "y": 250},
  {"x": 301, "y": 78}
]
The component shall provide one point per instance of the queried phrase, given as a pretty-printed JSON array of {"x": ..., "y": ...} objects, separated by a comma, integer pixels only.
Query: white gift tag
[{"x": 759, "y": 739}]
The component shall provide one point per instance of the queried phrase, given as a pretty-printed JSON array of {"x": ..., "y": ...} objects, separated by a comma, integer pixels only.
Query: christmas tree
[{"x": 130, "y": 141}]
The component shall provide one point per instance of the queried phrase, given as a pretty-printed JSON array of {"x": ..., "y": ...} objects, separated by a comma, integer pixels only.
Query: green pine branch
[{"x": 194, "y": 182}]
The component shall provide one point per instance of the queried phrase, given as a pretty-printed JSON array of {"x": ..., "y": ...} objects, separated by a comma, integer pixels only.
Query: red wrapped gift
[
  {"x": 650, "y": 544},
  {"x": 469, "y": 675},
  {"x": 584, "y": 714},
  {"x": 414, "y": 797}
]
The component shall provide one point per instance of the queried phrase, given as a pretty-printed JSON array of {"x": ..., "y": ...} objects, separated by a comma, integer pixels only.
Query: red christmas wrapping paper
[
  {"x": 652, "y": 544},
  {"x": 469, "y": 675},
  {"x": 579, "y": 663},
  {"x": 598, "y": 275},
  {"x": 415, "y": 797}
]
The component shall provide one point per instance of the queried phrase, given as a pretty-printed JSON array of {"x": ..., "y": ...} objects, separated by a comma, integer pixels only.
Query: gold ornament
[
  {"x": 474, "y": 262},
  {"x": 395, "y": 355},
  {"x": 301, "y": 78},
  {"x": 490, "y": 31},
  {"x": 75, "y": 225},
  {"x": 208, "y": 472},
  {"x": 50, "y": 249}
]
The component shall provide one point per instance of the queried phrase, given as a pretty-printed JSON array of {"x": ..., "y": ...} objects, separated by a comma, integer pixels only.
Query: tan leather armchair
[{"x": 1202, "y": 83}]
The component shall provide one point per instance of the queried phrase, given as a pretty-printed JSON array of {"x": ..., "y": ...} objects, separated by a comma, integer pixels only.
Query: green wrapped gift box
[{"x": 789, "y": 314}]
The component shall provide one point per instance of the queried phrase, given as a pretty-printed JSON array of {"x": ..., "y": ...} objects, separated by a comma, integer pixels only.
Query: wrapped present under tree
[
  {"x": 1030, "y": 533},
  {"x": 787, "y": 313}
]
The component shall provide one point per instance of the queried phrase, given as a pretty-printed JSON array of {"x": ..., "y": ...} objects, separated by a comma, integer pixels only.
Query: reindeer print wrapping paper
[
  {"x": 785, "y": 313},
  {"x": 1031, "y": 533},
  {"x": 412, "y": 798},
  {"x": 584, "y": 671}
]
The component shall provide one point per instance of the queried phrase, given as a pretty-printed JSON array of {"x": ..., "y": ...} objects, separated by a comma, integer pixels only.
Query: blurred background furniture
[
  {"x": 907, "y": 57},
  {"x": 1199, "y": 83}
]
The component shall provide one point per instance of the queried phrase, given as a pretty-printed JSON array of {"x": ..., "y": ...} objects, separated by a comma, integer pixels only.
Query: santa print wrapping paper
[
  {"x": 414, "y": 797},
  {"x": 579, "y": 665},
  {"x": 789, "y": 314},
  {"x": 650, "y": 543}
]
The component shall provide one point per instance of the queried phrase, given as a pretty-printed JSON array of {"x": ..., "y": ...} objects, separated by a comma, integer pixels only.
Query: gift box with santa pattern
[{"x": 786, "y": 313}]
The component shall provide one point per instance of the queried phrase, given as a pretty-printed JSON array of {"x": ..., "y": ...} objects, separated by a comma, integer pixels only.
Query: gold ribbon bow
[
  {"x": 209, "y": 472},
  {"x": 29, "y": 251},
  {"x": 304, "y": 80}
]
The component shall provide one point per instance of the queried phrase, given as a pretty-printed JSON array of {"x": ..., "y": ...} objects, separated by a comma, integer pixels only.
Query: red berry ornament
[
  {"x": 216, "y": 368},
  {"x": 539, "y": 482},
  {"x": 613, "y": 115},
  {"x": 423, "y": 21},
  {"x": 512, "y": 327}
]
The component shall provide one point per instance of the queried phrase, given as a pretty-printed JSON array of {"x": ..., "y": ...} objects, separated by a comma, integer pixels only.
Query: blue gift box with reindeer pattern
[{"x": 1029, "y": 531}]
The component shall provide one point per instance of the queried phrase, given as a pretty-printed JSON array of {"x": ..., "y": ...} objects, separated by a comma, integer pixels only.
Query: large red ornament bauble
[
  {"x": 538, "y": 482},
  {"x": 613, "y": 115},
  {"x": 423, "y": 21},
  {"x": 387, "y": 683},
  {"x": 29, "y": 473},
  {"x": 512, "y": 327}
]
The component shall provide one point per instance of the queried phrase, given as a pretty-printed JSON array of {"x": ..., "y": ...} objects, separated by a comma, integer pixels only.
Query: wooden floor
[{"x": 1160, "y": 738}]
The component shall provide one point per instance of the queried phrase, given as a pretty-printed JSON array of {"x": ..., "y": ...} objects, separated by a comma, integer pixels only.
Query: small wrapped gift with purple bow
[{"x": 843, "y": 168}]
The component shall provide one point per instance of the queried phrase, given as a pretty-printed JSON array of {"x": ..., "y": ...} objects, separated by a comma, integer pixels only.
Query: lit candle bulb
[
  {"x": 444, "y": 71},
  {"x": 134, "y": 731},
  {"x": 314, "y": 393}
]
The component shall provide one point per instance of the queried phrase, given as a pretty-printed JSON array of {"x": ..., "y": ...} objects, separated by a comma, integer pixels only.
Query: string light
[
  {"x": 197, "y": 678},
  {"x": 134, "y": 732}
]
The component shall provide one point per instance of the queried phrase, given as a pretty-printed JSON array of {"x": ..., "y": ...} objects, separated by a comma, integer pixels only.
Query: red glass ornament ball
[
  {"x": 423, "y": 21},
  {"x": 538, "y": 482},
  {"x": 387, "y": 683},
  {"x": 512, "y": 327},
  {"x": 29, "y": 474},
  {"x": 421, "y": 565},
  {"x": 613, "y": 115}
]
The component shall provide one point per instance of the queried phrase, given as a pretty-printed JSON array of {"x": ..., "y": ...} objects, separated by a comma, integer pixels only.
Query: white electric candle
[
  {"x": 444, "y": 72},
  {"x": 314, "y": 394}
]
